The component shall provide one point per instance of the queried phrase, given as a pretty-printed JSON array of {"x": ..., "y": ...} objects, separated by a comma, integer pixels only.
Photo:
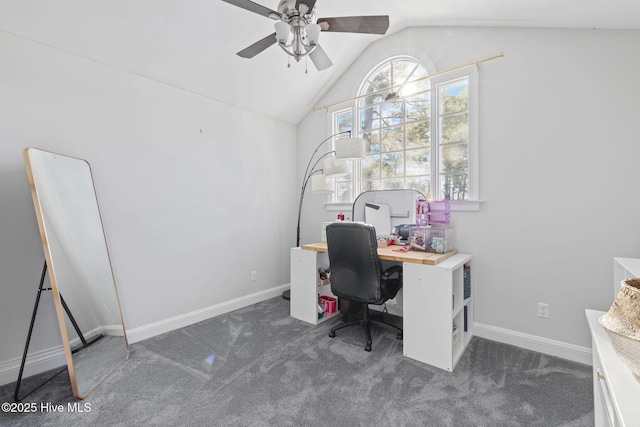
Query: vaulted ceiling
[{"x": 192, "y": 44}]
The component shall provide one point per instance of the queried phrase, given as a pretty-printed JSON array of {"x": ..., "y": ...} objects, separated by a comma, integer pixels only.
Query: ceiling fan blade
[
  {"x": 356, "y": 24},
  {"x": 258, "y": 46},
  {"x": 310, "y": 4},
  {"x": 320, "y": 59},
  {"x": 252, "y": 7}
]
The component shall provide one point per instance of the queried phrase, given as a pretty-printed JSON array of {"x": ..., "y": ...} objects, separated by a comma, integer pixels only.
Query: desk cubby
[
  {"x": 434, "y": 299},
  {"x": 304, "y": 285}
]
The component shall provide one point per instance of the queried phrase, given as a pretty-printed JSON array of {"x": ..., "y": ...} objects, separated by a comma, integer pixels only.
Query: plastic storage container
[
  {"x": 429, "y": 239},
  {"x": 329, "y": 304},
  {"x": 434, "y": 212}
]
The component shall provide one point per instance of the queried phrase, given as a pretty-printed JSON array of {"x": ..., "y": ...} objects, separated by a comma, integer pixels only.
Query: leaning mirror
[{"x": 79, "y": 267}]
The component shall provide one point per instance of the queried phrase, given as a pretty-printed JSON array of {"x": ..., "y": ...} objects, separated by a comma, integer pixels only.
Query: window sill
[
  {"x": 338, "y": 207},
  {"x": 455, "y": 205},
  {"x": 465, "y": 205}
]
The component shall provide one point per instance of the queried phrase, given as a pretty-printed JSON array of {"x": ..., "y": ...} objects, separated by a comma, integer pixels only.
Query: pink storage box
[{"x": 328, "y": 303}]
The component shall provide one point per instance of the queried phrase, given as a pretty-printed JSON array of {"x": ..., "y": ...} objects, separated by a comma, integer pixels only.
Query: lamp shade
[
  {"x": 313, "y": 33},
  {"x": 333, "y": 167},
  {"x": 350, "y": 148},
  {"x": 282, "y": 31},
  {"x": 321, "y": 185}
]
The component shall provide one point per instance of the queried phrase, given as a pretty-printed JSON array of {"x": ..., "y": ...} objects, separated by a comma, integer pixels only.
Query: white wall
[
  {"x": 559, "y": 149},
  {"x": 194, "y": 194}
]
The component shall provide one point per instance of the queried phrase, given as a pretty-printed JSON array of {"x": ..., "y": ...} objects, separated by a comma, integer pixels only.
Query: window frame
[{"x": 437, "y": 80}]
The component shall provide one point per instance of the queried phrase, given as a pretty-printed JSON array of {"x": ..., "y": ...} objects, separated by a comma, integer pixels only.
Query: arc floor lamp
[{"x": 334, "y": 165}]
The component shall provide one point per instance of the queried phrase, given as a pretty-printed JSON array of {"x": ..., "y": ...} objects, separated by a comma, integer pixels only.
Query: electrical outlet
[
  {"x": 543, "y": 310},
  {"x": 253, "y": 276}
]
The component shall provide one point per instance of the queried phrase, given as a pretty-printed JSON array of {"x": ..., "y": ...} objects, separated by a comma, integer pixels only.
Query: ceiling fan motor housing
[{"x": 288, "y": 7}]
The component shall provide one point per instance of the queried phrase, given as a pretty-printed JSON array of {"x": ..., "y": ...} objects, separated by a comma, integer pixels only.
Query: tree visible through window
[{"x": 417, "y": 132}]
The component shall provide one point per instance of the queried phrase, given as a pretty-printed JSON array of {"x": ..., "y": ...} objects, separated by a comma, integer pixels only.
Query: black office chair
[{"x": 357, "y": 275}]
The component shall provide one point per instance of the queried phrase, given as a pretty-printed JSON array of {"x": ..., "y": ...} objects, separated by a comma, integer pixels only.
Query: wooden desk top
[{"x": 389, "y": 254}]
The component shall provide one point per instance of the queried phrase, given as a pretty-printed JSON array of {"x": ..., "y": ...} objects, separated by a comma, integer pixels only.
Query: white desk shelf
[
  {"x": 433, "y": 301},
  {"x": 304, "y": 285}
]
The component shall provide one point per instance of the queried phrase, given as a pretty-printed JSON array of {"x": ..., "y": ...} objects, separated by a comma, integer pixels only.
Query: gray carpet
[{"x": 259, "y": 367}]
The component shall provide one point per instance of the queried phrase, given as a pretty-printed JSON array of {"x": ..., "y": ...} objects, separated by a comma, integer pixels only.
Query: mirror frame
[{"x": 55, "y": 290}]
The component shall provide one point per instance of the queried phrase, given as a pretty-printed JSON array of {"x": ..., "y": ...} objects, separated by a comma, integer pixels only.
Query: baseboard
[
  {"x": 37, "y": 362},
  {"x": 53, "y": 358},
  {"x": 143, "y": 332},
  {"x": 535, "y": 343}
]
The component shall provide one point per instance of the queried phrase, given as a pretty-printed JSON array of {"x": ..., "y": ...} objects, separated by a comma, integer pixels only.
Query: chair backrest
[{"x": 356, "y": 269}]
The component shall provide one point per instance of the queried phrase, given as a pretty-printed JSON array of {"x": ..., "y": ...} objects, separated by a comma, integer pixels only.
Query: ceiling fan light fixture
[
  {"x": 313, "y": 33},
  {"x": 282, "y": 32}
]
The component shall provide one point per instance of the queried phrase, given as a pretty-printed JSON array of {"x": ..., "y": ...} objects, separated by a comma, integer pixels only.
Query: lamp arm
[
  {"x": 308, "y": 172},
  {"x": 318, "y": 161}
]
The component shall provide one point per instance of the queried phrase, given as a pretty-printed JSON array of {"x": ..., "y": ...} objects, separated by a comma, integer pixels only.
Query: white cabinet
[
  {"x": 438, "y": 319},
  {"x": 616, "y": 392}
]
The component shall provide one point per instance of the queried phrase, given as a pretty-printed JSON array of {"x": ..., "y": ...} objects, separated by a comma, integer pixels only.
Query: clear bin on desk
[{"x": 430, "y": 239}]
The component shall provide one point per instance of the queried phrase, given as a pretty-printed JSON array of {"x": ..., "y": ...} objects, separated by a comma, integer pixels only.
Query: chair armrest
[
  {"x": 392, "y": 270},
  {"x": 391, "y": 286}
]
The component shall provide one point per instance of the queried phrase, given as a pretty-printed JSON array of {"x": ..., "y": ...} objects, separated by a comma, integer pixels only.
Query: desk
[
  {"x": 437, "y": 318},
  {"x": 389, "y": 253}
]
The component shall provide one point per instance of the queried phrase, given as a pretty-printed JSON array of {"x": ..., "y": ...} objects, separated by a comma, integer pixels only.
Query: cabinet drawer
[{"x": 605, "y": 395}]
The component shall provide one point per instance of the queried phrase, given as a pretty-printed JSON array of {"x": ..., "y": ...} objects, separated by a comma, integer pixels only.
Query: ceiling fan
[{"x": 298, "y": 29}]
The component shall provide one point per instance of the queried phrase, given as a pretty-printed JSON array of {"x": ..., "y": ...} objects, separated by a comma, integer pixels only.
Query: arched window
[
  {"x": 395, "y": 125},
  {"x": 418, "y": 132}
]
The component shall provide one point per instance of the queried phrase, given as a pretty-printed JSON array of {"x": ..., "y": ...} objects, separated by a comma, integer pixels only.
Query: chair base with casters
[{"x": 366, "y": 321}]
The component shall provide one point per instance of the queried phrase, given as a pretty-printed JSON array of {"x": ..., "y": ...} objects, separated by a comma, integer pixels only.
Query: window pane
[
  {"x": 392, "y": 164},
  {"x": 370, "y": 118},
  {"x": 455, "y": 128},
  {"x": 418, "y": 162},
  {"x": 418, "y": 135},
  {"x": 344, "y": 122},
  {"x": 420, "y": 183},
  {"x": 344, "y": 191},
  {"x": 454, "y": 158},
  {"x": 418, "y": 108},
  {"x": 417, "y": 82},
  {"x": 454, "y": 187},
  {"x": 393, "y": 139},
  {"x": 392, "y": 113},
  {"x": 375, "y": 96},
  {"x": 454, "y": 97},
  {"x": 392, "y": 184},
  {"x": 371, "y": 167},
  {"x": 372, "y": 141},
  {"x": 382, "y": 79},
  {"x": 402, "y": 71},
  {"x": 368, "y": 185}
]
